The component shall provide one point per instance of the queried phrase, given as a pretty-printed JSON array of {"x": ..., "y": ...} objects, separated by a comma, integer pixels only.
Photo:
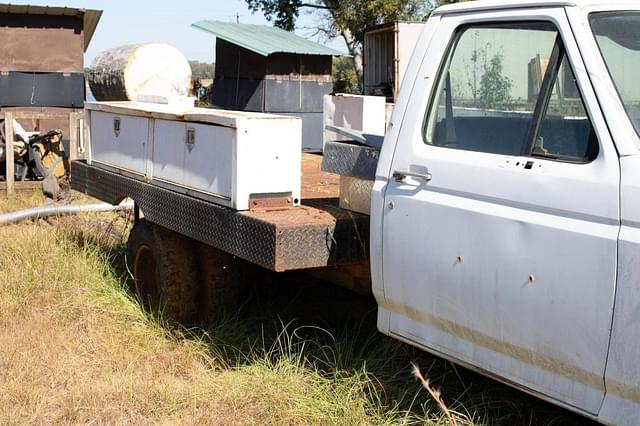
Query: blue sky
[{"x": 139, "y": 21}]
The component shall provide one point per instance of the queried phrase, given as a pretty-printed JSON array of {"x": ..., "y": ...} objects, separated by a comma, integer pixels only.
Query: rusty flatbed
[{"x": 315, "y": 235}]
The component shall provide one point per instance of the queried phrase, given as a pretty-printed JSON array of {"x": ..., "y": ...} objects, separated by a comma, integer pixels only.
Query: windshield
[{"x": 618, "y": 36}]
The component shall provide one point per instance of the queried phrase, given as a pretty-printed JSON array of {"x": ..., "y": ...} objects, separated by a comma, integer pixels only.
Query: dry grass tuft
[
  {"x": 76, "y": 348},
  {"x": 22, "y": 200}
]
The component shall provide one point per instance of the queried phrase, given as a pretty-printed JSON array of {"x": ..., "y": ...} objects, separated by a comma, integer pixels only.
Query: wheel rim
[{"x": 145, "y": 272}]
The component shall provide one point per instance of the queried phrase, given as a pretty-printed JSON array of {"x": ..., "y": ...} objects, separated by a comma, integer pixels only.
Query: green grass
[{"x": 75, "y": 347}]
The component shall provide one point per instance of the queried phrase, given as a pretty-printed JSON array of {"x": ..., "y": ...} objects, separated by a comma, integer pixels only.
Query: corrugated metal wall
[
  {"x": 378, "y": 62},
  {"x": 387, "y": 50},
  {"x": 280, "y": 83}
]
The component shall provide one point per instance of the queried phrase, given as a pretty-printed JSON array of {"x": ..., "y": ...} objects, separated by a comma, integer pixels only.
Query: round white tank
[{"x": 126, "y": 72}]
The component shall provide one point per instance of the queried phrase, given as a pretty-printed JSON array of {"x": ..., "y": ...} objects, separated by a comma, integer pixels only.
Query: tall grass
[{"x": 76, "y": 347}]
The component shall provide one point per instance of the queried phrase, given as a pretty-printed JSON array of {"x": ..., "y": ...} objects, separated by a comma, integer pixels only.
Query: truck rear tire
[
  {"x": 164, "y": 269},
  {"x": 222, "y": 283}
]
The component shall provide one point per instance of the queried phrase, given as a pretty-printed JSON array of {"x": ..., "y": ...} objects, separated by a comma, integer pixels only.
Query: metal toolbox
[
  {"x": 353, "y": 134},
  {"x": 235, "y": 159},
  {"x": 356, "y": 164}
]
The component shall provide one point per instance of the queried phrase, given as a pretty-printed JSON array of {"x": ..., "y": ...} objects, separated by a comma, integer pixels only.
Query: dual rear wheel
[{"x": 185, "y": 281}]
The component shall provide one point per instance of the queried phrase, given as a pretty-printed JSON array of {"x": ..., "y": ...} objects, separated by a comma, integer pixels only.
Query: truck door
[{"x": 501, "y": 210}]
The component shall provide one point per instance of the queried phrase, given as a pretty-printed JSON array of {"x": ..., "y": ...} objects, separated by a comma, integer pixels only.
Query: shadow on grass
[
  {"x": 334, "y": 332},
  {"x": 102, "y": 236}
]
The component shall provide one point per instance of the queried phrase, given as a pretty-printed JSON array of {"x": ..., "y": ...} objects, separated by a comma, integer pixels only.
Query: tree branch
[{"x": 315, "y": 6}]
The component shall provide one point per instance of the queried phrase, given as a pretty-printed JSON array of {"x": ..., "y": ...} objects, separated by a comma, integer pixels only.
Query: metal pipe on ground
[{"x": 58, "y": 210}]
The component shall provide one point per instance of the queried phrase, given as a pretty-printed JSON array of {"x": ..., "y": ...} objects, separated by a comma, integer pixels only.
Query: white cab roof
[{"x": 480, "y": 5}]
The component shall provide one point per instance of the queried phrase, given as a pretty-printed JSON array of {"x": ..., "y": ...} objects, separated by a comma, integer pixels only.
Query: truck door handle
[{"x": 400, "y": 175}]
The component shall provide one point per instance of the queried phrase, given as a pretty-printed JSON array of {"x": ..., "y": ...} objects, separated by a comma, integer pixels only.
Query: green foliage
[
  {"x": 488, "y": 87},
  {"x": 202, "y": 70},
  {"x": 357, "y": 15},
  {"x": 352, "y": 15},
  {"x": 345, "y": 77},
  {"x": 343, "y": 18},
  {"x": 283, "y": 13},
  {"x": 495, "y": 88},
  {"x": 346, "y": 18}
]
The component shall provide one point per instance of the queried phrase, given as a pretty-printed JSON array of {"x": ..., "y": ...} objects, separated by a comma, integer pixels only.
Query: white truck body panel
[
  {"x": 225, "y": 157},
  {"x": 515, "y": 274},
  {"x": 174, "y": 163},
  {"x": 132, "y": 155},
  {"x": 622, "y": 381},
  {"x": 384, "y": 163}
]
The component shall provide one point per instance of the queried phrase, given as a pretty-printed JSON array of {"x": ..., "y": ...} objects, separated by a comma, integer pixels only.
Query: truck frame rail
[{"x": 314, "y": 235}]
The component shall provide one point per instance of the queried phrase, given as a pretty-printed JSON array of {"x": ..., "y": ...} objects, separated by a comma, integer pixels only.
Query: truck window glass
[
  {"x": 618, "y": 37},
  {"x": 565, "y": 132},
  {"x": 490, "y": 81}
]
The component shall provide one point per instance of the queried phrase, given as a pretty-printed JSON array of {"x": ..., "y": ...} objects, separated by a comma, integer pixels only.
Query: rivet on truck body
[
  {"x": 532, "y": 278},
  {"x": 391, "y": 205}
]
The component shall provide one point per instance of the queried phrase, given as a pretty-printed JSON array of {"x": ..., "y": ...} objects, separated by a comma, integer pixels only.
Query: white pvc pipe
[{"x": 61, "y": 210}]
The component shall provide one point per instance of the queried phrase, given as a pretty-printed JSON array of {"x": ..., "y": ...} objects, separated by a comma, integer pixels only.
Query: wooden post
[
  {"x": 73, "y": 136},
  {"x": 8, "y": 132},
  {"x": 76, "y": 135}
]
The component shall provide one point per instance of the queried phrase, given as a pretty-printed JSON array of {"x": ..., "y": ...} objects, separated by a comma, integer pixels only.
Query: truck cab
[{"x": 505, "y": 215}]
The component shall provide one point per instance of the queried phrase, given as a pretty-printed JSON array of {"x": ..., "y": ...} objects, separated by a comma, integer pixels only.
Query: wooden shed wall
[
  {"x": 289, "y": 66},
  {"x": 41, "y": 43},
  {"x": 233, "y": 61},
  {"x": 379, "y": 66}
]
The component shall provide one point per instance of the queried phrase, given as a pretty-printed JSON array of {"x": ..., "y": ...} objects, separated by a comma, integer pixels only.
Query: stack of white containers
[{"x": 227, "y": 157}]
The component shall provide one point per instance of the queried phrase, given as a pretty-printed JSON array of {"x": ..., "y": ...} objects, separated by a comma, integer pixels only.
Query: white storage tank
[{"x": 124, "y": 73}]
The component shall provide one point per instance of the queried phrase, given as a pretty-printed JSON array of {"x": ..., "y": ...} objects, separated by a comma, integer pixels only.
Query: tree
[
  {"x": 202, "y": 70},
  {"x": 495, "y": 88},
  {"x": 345, "y": 78},
  {"x": 344, "y": 18},
  {"x": 488, "y": 86}
]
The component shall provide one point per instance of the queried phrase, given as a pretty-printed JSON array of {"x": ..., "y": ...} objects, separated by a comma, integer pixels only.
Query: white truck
[{"x": 504, "y": 227}]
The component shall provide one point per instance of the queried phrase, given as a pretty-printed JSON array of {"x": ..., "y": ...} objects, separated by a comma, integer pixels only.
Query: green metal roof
[{"x": 264, "y": 40}]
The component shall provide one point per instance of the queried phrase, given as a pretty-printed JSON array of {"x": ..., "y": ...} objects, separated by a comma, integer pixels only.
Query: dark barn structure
[
  {"x": 42, "y": 82},
  {"x": 42, "y": 55},
  {"x": 266, "y": 69}
]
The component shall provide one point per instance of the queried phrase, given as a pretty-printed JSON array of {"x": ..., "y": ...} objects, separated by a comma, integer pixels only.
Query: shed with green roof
[{"x": 266, "y": 69}]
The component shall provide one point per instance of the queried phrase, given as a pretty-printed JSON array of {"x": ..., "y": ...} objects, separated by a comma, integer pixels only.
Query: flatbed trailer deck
[{"x": 317, "y": 234}]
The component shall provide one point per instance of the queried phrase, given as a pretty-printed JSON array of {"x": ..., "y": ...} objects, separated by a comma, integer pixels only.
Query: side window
[
  {"x": 565, "y": 132},
  {"x": 508, "y": 89}
]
